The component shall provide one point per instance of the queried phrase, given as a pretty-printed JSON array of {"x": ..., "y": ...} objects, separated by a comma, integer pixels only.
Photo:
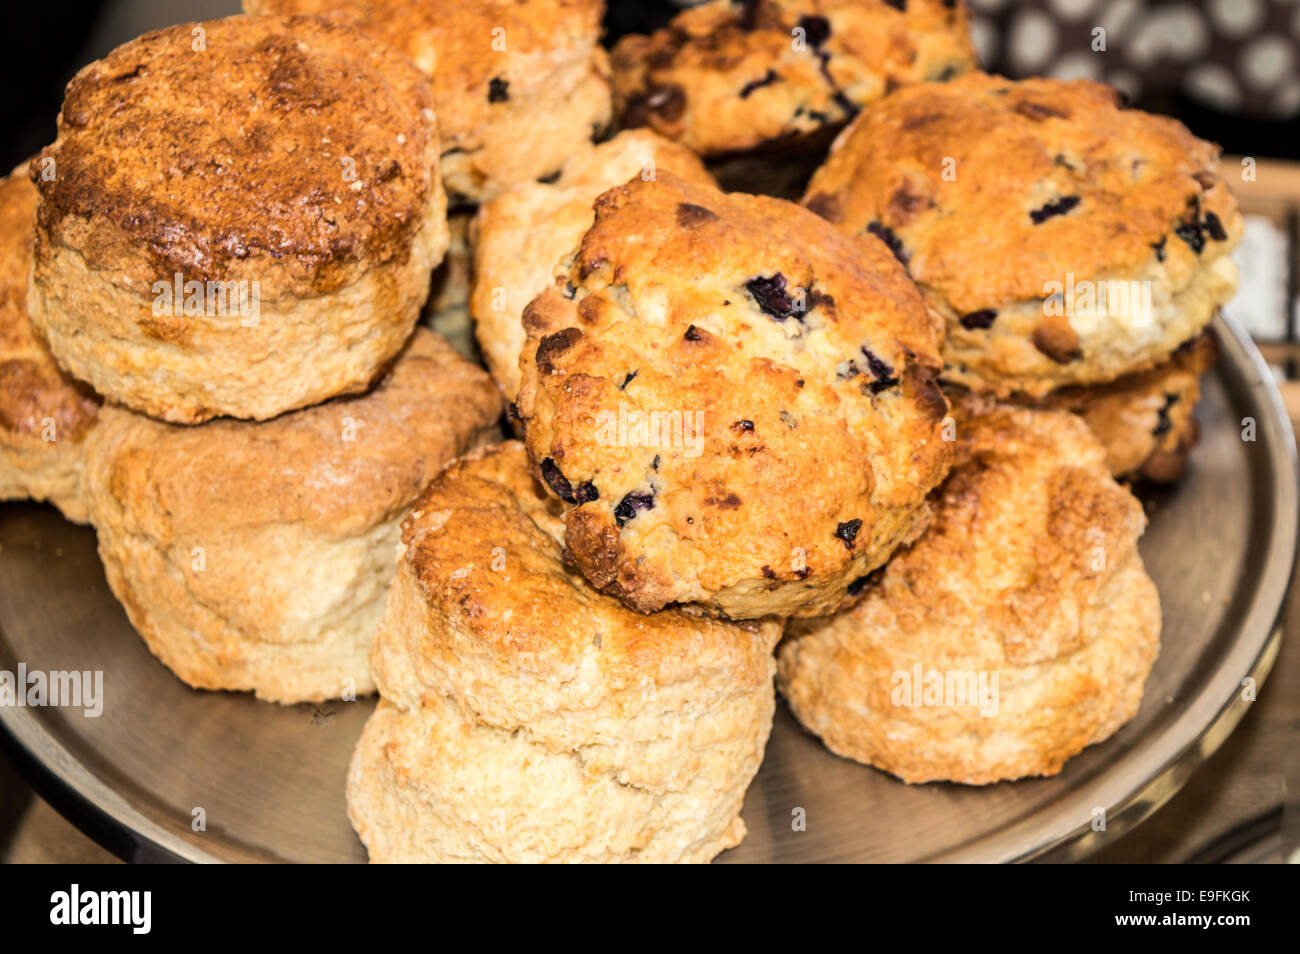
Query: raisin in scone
[
  {"x": 525, "y": 717},
  {"x": 257, "y": 556},
  {"x": 44, "y": 415},
  {"x": 1017, "y": 630},
  {"x": 521, "y": 236},
  {"x": 239, "y": 217},
  {"x": 726, "y": 77},
  {"x": 1067, "y": 240},
  {"x": 1146, "y": 420},
  {"x": 737, "y": 402},
  {"x": 518, "y": 84}
]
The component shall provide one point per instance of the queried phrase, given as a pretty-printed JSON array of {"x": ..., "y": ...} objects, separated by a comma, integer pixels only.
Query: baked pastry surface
[
  {"x": 727, "y": 77},
  {"x": 518, "y": 84},
  {"x": 239, "y": 229},
  {"x": 737, "y": 402},
  {"x": 521, "y": 236},
  {"x": 1065, "y": 239},
  {"x": 1029, "y": 575},
  {"x": 526, "y": 717},
  {"x": 1145, "y": 420},
  {"x": 44, "y": 414},
  {"x": 256, "y": 556}
]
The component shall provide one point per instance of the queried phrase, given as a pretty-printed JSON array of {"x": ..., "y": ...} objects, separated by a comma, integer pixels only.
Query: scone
[
  {"x": 1065, "y": 239},
  {"x": 524, "y": 717},
  {"x": 44, "y": 415},
  {"x": 519, "y": 85},
  {"x": 257, "y": 556},
  {"x": 1018, "y": 630},
  {"x": 727, "y": 77},
  {"x": 521, "y": 236},
  {"x": 737, "y": 403},
  {"x": 450, "y": 285},
  {"x": 1145, "y": 420},
  {"x": 238, "y": 217}
]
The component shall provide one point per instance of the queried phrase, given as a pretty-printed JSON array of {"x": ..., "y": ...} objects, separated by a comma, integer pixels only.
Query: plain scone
[
  {"x": 44, "y": 415},
  {"x": 519, "y": 85},
  {"x": 290, "y": 167},
  {"x": 521, "y": 236},
  {"x": 1029, "y": 573},
  {"x": 256, "y": 556},
  {"x": 527, "y": 718},
  {"x": 737, "y": 402},
  {"x": 1038, "y": 217}
]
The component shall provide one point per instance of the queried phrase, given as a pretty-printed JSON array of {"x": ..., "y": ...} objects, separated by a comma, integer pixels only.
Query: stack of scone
[
  {"x": 246, "y": 306},
  {"x": 882, "y": 427}
]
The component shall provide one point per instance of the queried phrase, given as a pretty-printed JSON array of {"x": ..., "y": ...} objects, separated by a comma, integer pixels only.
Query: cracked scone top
[
  {"x": 44, "y": 414},
  {"x": 256, "y": 556},
  {"x": 517, "y": 85},
  {"x": 525, "y": 717},
  {"x": 293, "y": 155},
  {"x": 1029, "y": 574},
  {"x": 1019, "y": 207},
  {"x": 727, "y": 76},
  {"x": 737, "y": 402},
  {"x": 521, "y": 236}
]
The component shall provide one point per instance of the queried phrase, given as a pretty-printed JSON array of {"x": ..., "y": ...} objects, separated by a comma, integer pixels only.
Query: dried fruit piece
[
  {"x": 631, "y": 505},
  {"x": 1059, "y": 207}
]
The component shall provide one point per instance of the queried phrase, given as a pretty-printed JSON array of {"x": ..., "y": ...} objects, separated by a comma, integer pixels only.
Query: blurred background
[{"x": 1229, "y": 69}]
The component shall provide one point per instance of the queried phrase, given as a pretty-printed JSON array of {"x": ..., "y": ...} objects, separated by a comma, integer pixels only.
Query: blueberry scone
[
  {"x": 525, "y": 717},
  {"x": 44, "y": 415},
  {"x": 518, "y": 85},
  {"x": 1017, "y": 630},
  {"x": 521, "y": 236},
  {"x": 737, "y": 403},
  {"x": 1065, "y": 239},
  {"x": 238, "y": 218},
  {"x": 727, "y": 77}
]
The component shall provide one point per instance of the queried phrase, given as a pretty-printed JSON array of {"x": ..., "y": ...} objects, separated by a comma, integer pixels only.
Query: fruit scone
[
  {"x": 239, "y": 217},
  {"x": 1068, "y": 241},
  {"x": 1146, "y": 420},
  {"x": 737, "y": 403},
  {"x": 727, "y": 77},
  {"x": 44, "y": 414},
  {"x": 525, "y": 717},
  {"x": 257, "y": 556},
  {"x": 1019, "y": 629},
  {"x": 521, "y": 236},
  {"x": 519, "y": 84}
]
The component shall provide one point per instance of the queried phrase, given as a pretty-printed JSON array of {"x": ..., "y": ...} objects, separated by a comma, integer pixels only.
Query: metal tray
[{"x": 1221, "y": 546}]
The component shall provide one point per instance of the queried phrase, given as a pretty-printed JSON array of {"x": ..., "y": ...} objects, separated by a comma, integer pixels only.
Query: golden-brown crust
[
  {"x": 44, "y": 414},
  {"x": 996, "y": 192},
  {"x": 501, "y": 667},
  {"x": 32, "y": 388},
  {"x": 292, "y": 148},
  {"x": 516, "y": 84},
  {"x": 1029, "y": 573},
  {"x": 257, "y": 555},
  {"x": 1146, "y": 421},
  {"x": 522, "y": 235},
  {"x": 337, "y": 466},
  {"x": 725, "y": 77},
  {"x": 792, "y": 372}
]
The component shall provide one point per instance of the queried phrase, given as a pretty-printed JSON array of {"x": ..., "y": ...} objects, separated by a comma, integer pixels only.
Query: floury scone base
[{"x": 272, "y": 778}]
